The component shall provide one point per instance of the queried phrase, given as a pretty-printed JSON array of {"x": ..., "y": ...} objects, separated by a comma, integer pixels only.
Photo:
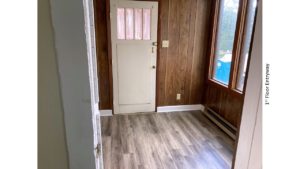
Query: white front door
[{"x": 134, "y": 36}]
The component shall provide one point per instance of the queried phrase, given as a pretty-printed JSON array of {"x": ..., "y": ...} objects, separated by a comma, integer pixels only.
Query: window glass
[
  {"x": 129, "y": 23},
  {"x": 146, "y": 23},
  {"x": 246, "y": 45},
  {"x": 138, "y": 24},
  {"x": 225, "y": 40},
  {"x": 133, "y": 23},
  {"x": 121, "y": 23}
]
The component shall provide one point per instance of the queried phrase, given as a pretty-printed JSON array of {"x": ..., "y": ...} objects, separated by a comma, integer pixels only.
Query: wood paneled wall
[
  {"x": 227, "y": 105},
  {"x": 181, "y": 67},
  {"x": 102, "y": 48}
]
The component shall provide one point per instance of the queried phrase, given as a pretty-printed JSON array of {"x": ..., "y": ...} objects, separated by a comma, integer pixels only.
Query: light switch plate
[{"x": 165, "y": 43}]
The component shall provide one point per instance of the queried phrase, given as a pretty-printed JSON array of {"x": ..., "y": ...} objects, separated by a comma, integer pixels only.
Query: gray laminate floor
[{"x": 181, "y": 140}]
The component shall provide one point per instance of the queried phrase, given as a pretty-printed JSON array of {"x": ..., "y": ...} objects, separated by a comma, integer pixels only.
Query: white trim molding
[
  {"x": 180, "y": 108},
  {"x": 75, "y": 56},
  {"x": 105, "y": 112},
  {"x": 248, "y": 153}
]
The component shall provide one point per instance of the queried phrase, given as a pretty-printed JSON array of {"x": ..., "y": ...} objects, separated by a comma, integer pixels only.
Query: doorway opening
[{"x": 190, "y": 58}]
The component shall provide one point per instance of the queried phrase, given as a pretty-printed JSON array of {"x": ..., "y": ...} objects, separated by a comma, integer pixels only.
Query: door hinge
[{"x": 98, "y": 149}]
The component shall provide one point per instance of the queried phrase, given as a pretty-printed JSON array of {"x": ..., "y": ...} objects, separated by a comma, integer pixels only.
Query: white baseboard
[
  {"x": 180, "y": 108},
  {"x": 161, "y": 109},
  {"x": 106, "y": 112}
]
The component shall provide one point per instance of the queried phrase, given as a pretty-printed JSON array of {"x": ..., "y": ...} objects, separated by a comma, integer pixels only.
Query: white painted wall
[
  {"x": 255, "y": 160},
  {"x": 52, "y": 147},
  {"x": 73, "y": 61},
  {"x": 248, "y": 155}
]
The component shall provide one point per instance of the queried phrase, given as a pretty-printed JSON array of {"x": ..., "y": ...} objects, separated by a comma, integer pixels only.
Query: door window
[{"x": 133, "y": 23}]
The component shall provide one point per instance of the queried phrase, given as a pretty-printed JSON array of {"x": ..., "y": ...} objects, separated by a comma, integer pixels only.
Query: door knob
[{"x": 153, "y": 67}]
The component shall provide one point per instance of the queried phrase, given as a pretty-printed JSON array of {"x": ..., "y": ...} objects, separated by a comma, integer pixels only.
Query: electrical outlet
[{"x": 178, "y": 96}]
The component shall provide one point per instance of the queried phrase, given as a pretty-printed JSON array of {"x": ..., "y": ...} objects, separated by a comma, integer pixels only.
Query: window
[
  {"x": 232, "y": 37},
  {"x": 246, "y": 45},
  {"x": 225, "y": 40},
  {"x": 133, "y": 23}
]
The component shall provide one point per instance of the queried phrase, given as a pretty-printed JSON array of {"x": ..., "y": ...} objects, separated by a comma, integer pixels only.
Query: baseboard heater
[{"x": 221, "y": 122}]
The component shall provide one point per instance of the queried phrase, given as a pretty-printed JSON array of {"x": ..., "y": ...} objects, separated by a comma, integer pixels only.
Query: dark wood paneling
[
  {"x": 180, "y": 67},
  {"x": 173, "y": 76},
  {"x": 200, "y": 52},
  {"x": 227, "y": 105},
  {"x": 110, "y": 78},
  {"x": 192, "y": 40},
  {"x": 104, "y": 70},
  {"x": 163, "y": 27}
]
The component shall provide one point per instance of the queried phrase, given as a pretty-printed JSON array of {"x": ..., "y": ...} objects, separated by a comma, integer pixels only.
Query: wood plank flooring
[{"x": 181, "y": 140}]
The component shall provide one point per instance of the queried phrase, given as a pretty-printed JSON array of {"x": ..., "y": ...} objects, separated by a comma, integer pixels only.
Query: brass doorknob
[{"x": 153, "y": 67}]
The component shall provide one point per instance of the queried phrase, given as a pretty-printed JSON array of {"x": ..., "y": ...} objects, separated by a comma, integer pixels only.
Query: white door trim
[
  {"x": 88, "y": 9},
  {"x": 250, "y": 128},
  {"x": 76, "y": 57}
]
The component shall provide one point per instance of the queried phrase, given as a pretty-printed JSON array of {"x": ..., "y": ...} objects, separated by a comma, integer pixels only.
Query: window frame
[{"x": 237, "y": 47}]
